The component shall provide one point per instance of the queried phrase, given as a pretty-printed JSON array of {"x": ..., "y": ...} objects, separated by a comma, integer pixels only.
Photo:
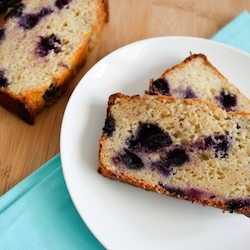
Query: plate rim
[{"x": 89, "y": 72}]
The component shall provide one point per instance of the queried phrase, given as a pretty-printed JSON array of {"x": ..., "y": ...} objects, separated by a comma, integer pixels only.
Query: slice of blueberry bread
[
  {"x": 184, "y": 148},
  {"x": 42, "y": 45},
  {"x": 196, "y": 77}
]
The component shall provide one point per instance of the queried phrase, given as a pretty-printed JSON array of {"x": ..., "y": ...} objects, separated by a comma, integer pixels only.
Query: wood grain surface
[{"x": 24, "y": 148}]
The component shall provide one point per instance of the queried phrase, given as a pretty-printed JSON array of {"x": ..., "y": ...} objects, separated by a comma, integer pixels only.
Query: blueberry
[
  {"x": 235, "y": 204},
  {"x": 3, "y": 80},
  {"x": 205, "y": 143},
  {"x": 162, "y": 167},
  {"x": 44, "y": 12},
  {"x": 129, "y": 159},
  {"x": 30, "y": 20},
  {"x": 50, "y": 93},
  {"x": 2, "y": 35},
  {"x": 161, "y": 85},
  {"x": 173, "y": 190},
  {"x": 195, "y": 193},
  {"x": 109, "y": 126},
  {"x": 149, "y": 137},
  {"x": 177, "y": 157},
  {"x": 227, "y": 101},
  {"x": 220, "y": 143},
  {"x": 189, "y": 193},
  {"x": 15, "y": 6},
  {"x": 61, "y": 3},
  {"x": 189, "y": 93},
  {"x": 185, "y": 92},
  {"x": 174, "y": 158},
  {"x": 4, "y": 6},
  {"x": 47, "y": 44},
  {"x": 157, "y": 141}
]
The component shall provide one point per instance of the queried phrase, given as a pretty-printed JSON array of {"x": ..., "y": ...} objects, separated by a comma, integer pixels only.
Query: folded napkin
[
  {"x": 236, "y": 33},
  {"x": 38, "y": 212}
]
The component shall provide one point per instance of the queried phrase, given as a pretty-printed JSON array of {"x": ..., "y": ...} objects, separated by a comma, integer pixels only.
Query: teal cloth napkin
[
  {"x": 38, "y": 212},
  {"x": 236, "y": 33}
]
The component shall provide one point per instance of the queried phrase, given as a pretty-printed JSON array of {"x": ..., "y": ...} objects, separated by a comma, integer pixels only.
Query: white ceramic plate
[{"x": 122, "y": 216}]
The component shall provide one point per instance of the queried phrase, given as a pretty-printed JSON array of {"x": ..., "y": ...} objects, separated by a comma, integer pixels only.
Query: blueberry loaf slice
[
  {"x": 184, "y": 148},
  {"x": 42, "y": 45},
  {"x": 196, "y": 77}
]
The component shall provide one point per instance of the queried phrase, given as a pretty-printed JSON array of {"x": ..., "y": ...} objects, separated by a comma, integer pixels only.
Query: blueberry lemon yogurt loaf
[
  {"x": 196, "y": 77},
  {"x": 42, "y": 45},
  {"x": 185, "y": 148}
]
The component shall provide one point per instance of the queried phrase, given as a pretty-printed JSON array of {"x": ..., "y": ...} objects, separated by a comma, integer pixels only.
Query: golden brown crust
[
  {"x": 16, "y": 106},
  {"x": 191, "y": 58},
  {"x": 106, "y": 9}
]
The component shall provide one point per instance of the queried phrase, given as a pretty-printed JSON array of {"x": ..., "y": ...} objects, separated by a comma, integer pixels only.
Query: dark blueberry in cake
[
  {"x": 221, "y": 144},
  {"x": 173, "y": 190},
  {"x": 177, "y": 157},
  {"x": 162, "y": 168},
  {"x": 189, "y": 193},
  {"x": 50, "y": 93},
  {"x": 109, "y": 126},
  {"x": 234, "y": 204},
  {"x": 47, "y": 44},
  {"x": 150, "y": 137},
  {"x": 6, "y": 4},
  {"x": 129, "y": 159},
  {"x": 188, "y": 93},
  {"x": 30, "y": 20},
  {"x": 44, "y": 12},
  {"x": 3, "y": 80},
  {"x": 157, "y": 141},
  {"x": 195, "y": 193},
  {"x": 161, "y": 85},
  {"x": 62, "y": 3},
  {"x": 3, "y": 6},
  {"x": 227, "y": 101},
  {"x": 2, "y": 35},
  {"x": 206, "y": 143},
  {"x": 16, "y": 10}
]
